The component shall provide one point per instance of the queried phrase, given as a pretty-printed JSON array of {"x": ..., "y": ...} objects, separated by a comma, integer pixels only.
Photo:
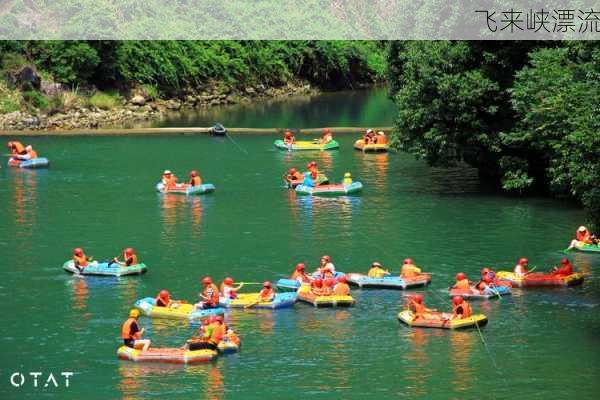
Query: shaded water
[{"x": 99, "y": 194}]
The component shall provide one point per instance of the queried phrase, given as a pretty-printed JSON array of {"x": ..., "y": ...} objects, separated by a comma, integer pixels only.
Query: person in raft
[
  {"x": 416, "y": 306},
  {"x": 30, "y": 154},
  {"x": 583, "y": 236},
  {"x": 164, "y": 300},
  {"x": 462, "y": 283},
  {"x": 267, "y": 293},
  {"x": 347, "y": 179},
  {"x": 211, "y": 335},
  {"x": 209, "y": 296},
  {"x": 326, "y": 136},
  {"x": 369, "y": 136},
  {"x": 328, "y": 285},
  {"x": 380, "y": 137},
  {"x": 129, "y": 258},
  {"x": 377, "y": 271},
  {"x": 460, "y": 308},
  {"x": 565, "y": 268},
  {"x": 308, "y": 181},
  {"x": 409, "y": 269},
  {"x": 131, "y": 333},
  {"x": 227, "y": 290},
  {"x": 313, "y": 171},
  {"x": 521, "y": 267},
  {"x": 169, "y": 180},
  {"x": 80, "y": 260},
  {"x": 486, "y": 286},
  {"x": 293, "y": 177},
  {"x": 194, "y": 179},
  {"x": 288, "y": 138},
  {"x": 316, "y": 287},
  {"x": 16, "y": 148},
  {"x": 341, "y": 288},
  {"x": 300, "y": 275}
]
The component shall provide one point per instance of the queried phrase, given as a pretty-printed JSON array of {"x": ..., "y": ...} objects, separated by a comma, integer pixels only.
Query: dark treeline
[
  {"x": 175, "y": 66},
  {"x": 523, "y": 113}
]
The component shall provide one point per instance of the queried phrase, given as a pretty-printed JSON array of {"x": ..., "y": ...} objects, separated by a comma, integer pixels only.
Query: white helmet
[
  {"x": 582, "y": 228},
  {"x": 167, "y": 172}
]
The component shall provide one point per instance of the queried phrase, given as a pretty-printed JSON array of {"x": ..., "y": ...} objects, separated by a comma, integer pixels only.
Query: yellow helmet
[
  {"x": 133, "y": 313},
  {"x": 347, "y": 175}
]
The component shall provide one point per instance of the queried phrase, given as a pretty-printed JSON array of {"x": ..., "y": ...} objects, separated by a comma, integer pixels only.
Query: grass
[{"x": 105, "y": 100}]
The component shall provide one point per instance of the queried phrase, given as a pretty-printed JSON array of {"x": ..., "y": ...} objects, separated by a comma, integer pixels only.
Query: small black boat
[{"x": 218, "y": 129}]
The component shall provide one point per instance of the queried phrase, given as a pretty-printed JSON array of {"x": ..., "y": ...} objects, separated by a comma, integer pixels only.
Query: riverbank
[{"x": 140, "y": 107}]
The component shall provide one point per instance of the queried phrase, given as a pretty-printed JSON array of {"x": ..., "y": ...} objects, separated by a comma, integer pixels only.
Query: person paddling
[
  {"x": 227, "y": 289},
  {"x": 521, "y": 267},
  {"x": 300, "y": 275},
  {"x": 409, "y": 269},
  {"x": 129, "y": 258},
  {"x": 460, "y": 308},
  {"x": 164, "y": 300},
  {"x": 377, "y": 271},
  {"x": 267, "y": 294},
  {"x": 565, "y": 268},
  {"x": 195, "y": 179},
  {"x": 131, "y": 333},
  {"x": 80, "y": 260},
  {"x": 209, "y": 296}
]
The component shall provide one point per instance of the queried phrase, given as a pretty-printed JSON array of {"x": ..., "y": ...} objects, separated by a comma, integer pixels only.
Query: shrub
[{"x": 105, "y": 101}]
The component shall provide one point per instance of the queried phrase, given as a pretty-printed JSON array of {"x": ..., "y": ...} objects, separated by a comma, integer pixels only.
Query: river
[{"x": 99, "y": 194}]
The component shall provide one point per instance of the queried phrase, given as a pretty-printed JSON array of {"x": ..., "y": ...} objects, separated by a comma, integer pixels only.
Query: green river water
[{"x": 99, "y": 194}]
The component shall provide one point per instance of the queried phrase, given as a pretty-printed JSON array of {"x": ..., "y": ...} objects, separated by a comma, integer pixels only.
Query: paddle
[{"x": 251, "y": 283}]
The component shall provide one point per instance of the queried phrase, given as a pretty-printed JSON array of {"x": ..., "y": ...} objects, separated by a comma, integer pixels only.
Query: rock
[
  {"x": 132, "y": 107},
  {"x": 147, "y": 108},
  {"x": 25, "y": 78},
  {"x": 250, "y": 90},
  {"x": 215, "y": 102},
  {"x": 53, "y": 88},
  {"x": 173, "y": 104},
  {"x": 138, "y": 100}
]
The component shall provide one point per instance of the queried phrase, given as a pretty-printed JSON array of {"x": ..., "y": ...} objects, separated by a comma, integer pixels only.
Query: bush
[
  {"x": 105, "y": 101},
  {"x": 35, "y": 99}
]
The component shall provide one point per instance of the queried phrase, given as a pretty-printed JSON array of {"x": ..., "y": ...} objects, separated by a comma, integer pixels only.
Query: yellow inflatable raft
[
  {"x": 407, "y": 317},
  {"x": 306, "y": 295},
  {"x": 166, "y": 355},
  {"x": 371, "y": 147}
]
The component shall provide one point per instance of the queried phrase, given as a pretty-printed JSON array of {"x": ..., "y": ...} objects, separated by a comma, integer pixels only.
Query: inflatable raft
[
  {"x": 585, "y": 248},
  {"x": 388, "y": 282},
  {"x": 228, "y": 347},
  {"x": 39, "y": 162},
  {"x": 371, "y": 147},
  {"x": 307, "y": 296},
  {"x": 166, "y": 355},
  {"x": 105, "y": 269},
  {"x": 291, "y": 285},
  {"x": 474, "y": 321},
  {"x": 250, "y": 300},
  {"x": 182, "y": 311},
  {"x": 187, "y": 189},
  {"x": 322, "y": 179},
  {"x": 540, "y": 279},
  {"x": 306, "y": 145},
  {"x": 475, "y": 294},
  {"x": 330, "y": 190}
]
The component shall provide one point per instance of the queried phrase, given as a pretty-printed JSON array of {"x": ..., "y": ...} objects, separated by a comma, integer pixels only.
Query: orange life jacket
[
  {"x": 80, "y": 260},
  {"x": 303, "y": 277},
  {"x": 584, "y": 237},
  {"x": 466, "y": 309},
  {"x": 163, "y": 301},
  {"x": 565, "y": 270},
  {"x": 416, "y": 308},
  {"x": 341, "y": 289},
  {"x": 196, "y": 181},
  {"x": 133, "y": 257},
  {"x": 17, "y": 147},
  {"x": 266, "y": 294},
  {"x": 32, "y": 154},
  {"x": 126, "y": 330},
  {"x": 218, "y": 331},
  {"x": 212, "y": 293},
  {"x": 408, "y": 271},
  {"x": 463, "y": 284}
]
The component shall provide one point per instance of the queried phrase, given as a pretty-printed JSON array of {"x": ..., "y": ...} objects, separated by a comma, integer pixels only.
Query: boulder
[
  {"x": 250, "y": 90},
  {"x": 173, "y": 104},
  {"x": 53, "y": 88},
  {"x": 25, "y": 78},
  {"x": 138, "y": 100}
]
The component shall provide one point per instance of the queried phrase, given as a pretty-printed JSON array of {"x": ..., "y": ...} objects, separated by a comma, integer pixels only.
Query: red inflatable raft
[
  {"x": 540, "y": 279},
  {"x": 166, "y": 355}
]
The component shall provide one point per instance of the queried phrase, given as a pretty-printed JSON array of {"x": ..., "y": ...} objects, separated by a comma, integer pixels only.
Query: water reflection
[
  {"x": 464, "y": 373},
  {"x": 374, "y": 170},
  {"x": 415, "y": 373},
  {"x": 25, "y": 186},
  {"x": 177, "y": 209}
]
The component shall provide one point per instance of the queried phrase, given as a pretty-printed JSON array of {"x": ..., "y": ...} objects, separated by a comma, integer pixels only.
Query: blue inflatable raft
[
  {"x": 148, "y": 307},
  {"x": 105, "y": 269},
  {"x": 187, "y": 189},
  {"x": 39, "y": 162}
]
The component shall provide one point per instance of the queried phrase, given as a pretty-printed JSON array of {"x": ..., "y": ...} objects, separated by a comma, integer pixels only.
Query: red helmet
[
  {"x": 194, "y": 173},
  {"x": 318, "y": 282},
  {"x": 329, "y": 282},
  {"x": 565, "y": 261},
  {"x": 326, "y": 130},
  {"x": 164, "y": 294},
  {"x": 417, "y": 298},
  {"x": 408, "y": 261},
  {"x": 266, "y": 284},
  {"x": 129, "y": 251},
  {"x": 228, "y": 281},
  {"x": 78, "y": 251},
  {"x": 485, "y": 271},
  {"x": 207, "y": 280},
  {"x": 460, "y": 276},
  {"x": 300, "y": 267},
  {"x": 523, "y": 261},
  {"x": 457, "y": 300},
  {"x": 343, "y": 279},
  {"x": 309, "y": 165}
]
